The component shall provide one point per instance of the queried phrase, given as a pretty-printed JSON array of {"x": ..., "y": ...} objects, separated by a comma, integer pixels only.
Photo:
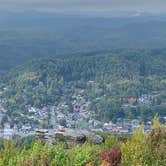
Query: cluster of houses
[
  {"x": 39, "y": 114},
  {"x": 58, "y": 117},
  {"x": 126, "y": 126},
  {"x": 121, "y": 127}
]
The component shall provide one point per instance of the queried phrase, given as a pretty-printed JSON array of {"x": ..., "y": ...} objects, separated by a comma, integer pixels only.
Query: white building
[{"x": 8, "y": 133}]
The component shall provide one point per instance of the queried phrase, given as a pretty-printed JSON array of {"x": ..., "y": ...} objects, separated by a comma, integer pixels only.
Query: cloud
[{"x": 83, "y": 5}]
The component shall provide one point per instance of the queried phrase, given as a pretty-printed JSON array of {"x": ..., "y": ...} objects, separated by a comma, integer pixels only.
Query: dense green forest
[
  {"x": 116, "y": 77},
  {"x": 139, "y": 150},
  {"x": 32, "y": 35}
]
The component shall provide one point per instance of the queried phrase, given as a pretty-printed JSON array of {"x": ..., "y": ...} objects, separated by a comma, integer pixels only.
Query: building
[{"x": 8, "y": 133}]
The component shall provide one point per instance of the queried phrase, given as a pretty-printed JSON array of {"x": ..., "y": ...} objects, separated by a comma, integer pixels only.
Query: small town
[{"x": 59, "y": 118}]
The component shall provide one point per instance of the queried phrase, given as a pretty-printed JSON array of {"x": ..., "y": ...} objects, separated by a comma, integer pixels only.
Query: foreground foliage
[{"x": 139, "y": 150}]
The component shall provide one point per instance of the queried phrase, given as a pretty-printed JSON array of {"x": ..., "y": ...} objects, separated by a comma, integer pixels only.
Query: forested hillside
[
  {"x": 26, "y": 36},
  {"x": 107, "y": 80}
]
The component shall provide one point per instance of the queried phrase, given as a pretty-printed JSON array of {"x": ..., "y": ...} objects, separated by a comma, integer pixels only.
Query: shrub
[
  {"x": 110, "y": 142},
  {"x": 82, "y": 155},
  {"x": 157, "y": 145},
  {"x": 113, "y": 156},
  {"x": 135, "y": 150}
]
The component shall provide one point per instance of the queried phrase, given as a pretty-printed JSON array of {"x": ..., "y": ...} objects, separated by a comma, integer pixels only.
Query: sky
[{"x": 83, "y": 5}]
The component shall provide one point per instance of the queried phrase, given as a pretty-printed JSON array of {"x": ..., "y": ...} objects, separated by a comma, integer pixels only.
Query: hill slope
[
  {"x": 27, "y": 36},
  {"x": 107, "y": 81}
]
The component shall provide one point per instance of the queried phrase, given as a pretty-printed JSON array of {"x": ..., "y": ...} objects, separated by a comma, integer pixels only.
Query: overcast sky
[{"x": 83, "y": 5}]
